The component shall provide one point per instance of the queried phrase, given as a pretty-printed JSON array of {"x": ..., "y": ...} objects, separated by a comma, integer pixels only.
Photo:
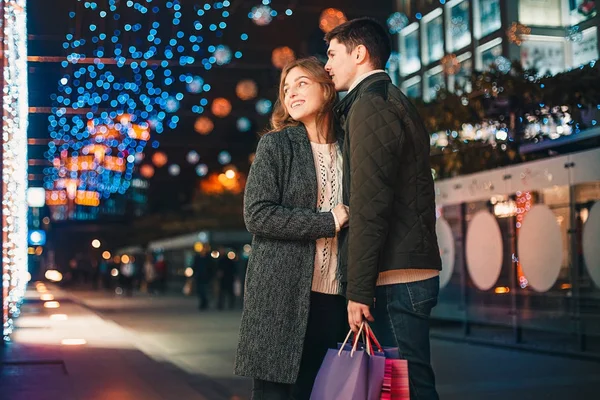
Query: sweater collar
[{"x": 342, "y": 108}]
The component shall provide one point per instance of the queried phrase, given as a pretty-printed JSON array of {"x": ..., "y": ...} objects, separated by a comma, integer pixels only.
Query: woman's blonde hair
[{"x": 315, "y": 70}]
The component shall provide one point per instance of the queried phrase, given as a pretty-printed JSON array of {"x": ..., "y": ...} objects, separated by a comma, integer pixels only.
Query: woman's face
[{"x": 303, "y": 97}]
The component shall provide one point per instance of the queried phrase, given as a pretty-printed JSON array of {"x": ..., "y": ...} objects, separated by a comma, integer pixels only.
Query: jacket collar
[{"x": 342, "y": 108}]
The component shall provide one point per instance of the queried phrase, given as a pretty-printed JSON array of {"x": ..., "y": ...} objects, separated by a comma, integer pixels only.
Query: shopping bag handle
[
  {"x": 355, "y": 344},
  {"x": 372, "y": 337}
]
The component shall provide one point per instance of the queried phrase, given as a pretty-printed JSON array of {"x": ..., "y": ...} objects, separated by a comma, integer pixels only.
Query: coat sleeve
[
  {"x": 376, "y": 138},
  {"x": 263, "y": 213}
]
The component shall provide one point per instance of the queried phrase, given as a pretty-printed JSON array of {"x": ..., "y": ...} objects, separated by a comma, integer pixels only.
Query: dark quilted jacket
[{"x": 387, "y": 185}]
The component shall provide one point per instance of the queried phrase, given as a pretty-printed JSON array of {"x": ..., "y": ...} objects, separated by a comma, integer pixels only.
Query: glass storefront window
[
  {"x": 434, "y": 82},
  {"x": 586, "y": 50},
  {"x": 461, "y": 82},
  {"x": 487, "y": 54},
  {"x": 458, "y": 33},
  {"x": 409, "y": 50},
  {"x": 412, "y": 87},
  {"x": 487, "y": 17},
  {"x": 544, "y": 54},
  {"x": 433, "y": 37},
  {"x": 580, "y": 10},
  {"x": 540, "y": 12}
]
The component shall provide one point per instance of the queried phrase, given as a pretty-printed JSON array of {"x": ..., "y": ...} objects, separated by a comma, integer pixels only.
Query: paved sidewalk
[
  {"x": 202, "y": 345},
  {"x": 36, "y": 366}
]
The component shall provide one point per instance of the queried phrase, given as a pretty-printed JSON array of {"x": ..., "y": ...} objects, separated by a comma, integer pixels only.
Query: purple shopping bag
[{"x": 350, "y": 373}]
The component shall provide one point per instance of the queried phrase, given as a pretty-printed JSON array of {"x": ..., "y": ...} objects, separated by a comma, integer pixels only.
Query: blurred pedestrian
[
  {"x": 226, "y": 268},
  {"x": 202, "y": 276},
  {"x": 150, "y": 274},
  {"x": 161, "y": 273}
]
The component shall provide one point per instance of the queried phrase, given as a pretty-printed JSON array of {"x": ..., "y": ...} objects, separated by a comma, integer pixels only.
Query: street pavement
[{"x": 200, "y": 347}]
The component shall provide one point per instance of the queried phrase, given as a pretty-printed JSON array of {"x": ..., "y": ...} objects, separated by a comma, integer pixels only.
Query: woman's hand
[{"x": 341, "y": 213}]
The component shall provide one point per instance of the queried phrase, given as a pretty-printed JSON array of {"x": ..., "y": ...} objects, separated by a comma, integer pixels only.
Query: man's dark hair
[{"x": 369, "y": 33}]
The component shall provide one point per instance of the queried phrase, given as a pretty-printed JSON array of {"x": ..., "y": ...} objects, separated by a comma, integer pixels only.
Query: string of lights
[
  {"x": 125, "y": 77},
  {"x": 14, "y": 161}
]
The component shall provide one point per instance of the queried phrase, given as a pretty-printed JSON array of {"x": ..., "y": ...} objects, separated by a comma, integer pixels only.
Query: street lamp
[{"x": 96, "y": 244}]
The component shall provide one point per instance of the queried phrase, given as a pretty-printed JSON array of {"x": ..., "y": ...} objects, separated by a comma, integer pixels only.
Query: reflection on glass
[
  {"x": 581, "y": 10},
  {"x": 435, "y": 40},
  {"x": 462, "y": 80},
  {"x": 489, "y": 56},
  {"x": 413, "y": 91},
  {"x": 434, "y": 81},
  {"x": 489, "y": 16},
  {"x": 459, "y": 29},
  {"x": 410, "y": 53}
]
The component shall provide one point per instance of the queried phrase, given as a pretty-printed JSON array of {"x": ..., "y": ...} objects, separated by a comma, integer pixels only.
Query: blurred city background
[{"x": 128, "y": 130}]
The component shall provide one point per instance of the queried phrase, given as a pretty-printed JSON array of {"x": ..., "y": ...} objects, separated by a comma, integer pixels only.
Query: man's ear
[{"x": 361, "y": 55}]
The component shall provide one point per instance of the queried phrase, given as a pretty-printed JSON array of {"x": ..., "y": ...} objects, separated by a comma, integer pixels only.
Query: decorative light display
[
  {"x": 193, "y": 157},
  {"x": 159, "y": 159},
  {"x": 195, "y": 85},
  {"x": 14, "y": 162},
  {"x": 221, "y": 107},
  {"x": 243, "y": 124},
  {"x": 201, "y": 170},
  {"x": 224, "y": 158},
  {"x": 129, "y": 66},
  {"x": 204, "y": 125},
  {"x": 264, "y": 106},
  {"x": 516, "y": 32},
  {"x": 246, "y": 89},
  {"x": 450, "y": 64},
  {"x": 174, "y": 169},
  {"x": 573, "y": 34},
  {"x": 262, "y": 15},
  {"x": 503, "y": 64},
  {"x": 330, "y": 18},
  {"x": 147, "y": 171},
  {"x": 396, "y": 22},
  {"x": 222, "y": 55},
  {"x": 281, "y": 56}
]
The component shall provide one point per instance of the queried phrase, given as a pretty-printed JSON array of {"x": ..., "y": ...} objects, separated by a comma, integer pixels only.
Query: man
[{"x": 390, "y": 254}]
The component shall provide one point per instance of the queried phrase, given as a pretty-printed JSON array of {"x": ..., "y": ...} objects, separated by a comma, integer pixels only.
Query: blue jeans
[{"x": 401, "y": 315}]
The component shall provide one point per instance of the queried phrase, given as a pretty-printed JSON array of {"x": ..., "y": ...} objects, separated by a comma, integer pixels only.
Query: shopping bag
[
  {"x": 395, "y": 379},
  {"x": 350, "y": 373}
]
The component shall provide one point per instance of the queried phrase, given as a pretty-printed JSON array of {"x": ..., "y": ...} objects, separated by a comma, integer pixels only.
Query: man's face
[{"x": 341, "y": 65}]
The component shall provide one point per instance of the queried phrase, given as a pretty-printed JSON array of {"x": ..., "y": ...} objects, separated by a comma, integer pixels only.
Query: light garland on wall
[{"x": 14, "y": 162}]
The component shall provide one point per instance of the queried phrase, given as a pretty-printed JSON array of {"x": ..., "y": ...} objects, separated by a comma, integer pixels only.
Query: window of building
[
  {"x": 434, "y": 82},
  {"x": 580, "y": 10},
  {"x": 412, "y": 87},
  {"x": 458, "y": 28},
  {"x": 545, "y": 54},
  {"x": 487, "y": 54},
  {"x": 433, "y": 37},
  {"x": 586, "y": 50},
  {"x": 540, "y": 12},
  {"x": 487, "y": 17},
  {"x": 460, "y": 83},
  {"x": 409, "y": 50}
]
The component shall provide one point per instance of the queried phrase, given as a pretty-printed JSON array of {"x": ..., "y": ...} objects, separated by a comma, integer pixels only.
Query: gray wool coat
[{"x": 280, "y": 204}]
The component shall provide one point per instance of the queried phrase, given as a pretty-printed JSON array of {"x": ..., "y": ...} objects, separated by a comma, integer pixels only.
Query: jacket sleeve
[
  {"x": 263, "y": 213},
  {"x": 375, "y": 140}
]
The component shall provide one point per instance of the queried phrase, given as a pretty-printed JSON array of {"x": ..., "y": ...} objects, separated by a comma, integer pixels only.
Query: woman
[{"x": 293, "y": 310}]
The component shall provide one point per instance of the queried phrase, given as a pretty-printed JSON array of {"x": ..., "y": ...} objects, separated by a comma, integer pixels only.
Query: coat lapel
[{"x": 303, "y": 151}]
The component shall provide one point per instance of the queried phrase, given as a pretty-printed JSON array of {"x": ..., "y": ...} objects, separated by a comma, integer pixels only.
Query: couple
[{"x": 318, "y": 266}]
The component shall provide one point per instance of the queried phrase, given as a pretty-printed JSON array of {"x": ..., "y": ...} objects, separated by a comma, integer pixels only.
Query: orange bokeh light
[
  {"x": 282, "y": 56},
  {"x": 221, "y": 107}
]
